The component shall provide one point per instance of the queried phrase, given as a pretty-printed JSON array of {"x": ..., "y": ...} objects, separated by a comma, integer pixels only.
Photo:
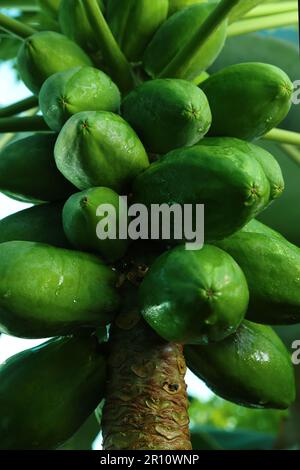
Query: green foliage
[{"x": 228, "y": 416}]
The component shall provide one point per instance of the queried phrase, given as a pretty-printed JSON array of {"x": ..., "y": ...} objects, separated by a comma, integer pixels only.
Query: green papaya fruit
[
  {"x": 255, "y": 226},
  {"x": 264, "y": 90},
  {"x": 167, "y": 113},
  {"x": 269, "y": 164},
  {"x": 99, "y": 148},
  {"x": 176, "y": 5},
  {"x": 47, "y": 291},
  {"x": 28, "y": 172},
  {"x": 194, "y": 297},
  {"x": 272, "y": 268},
  {"x": 72, "y": 91},
  {"x": 50, "y": 7},
  {"x": 133, "y": 23},
  {"x": 231, "y": 185},
  {"x": 47, "y": 392},
  {"x": 174, "y": 34},
  {"x": 46, "y": 53},
  {"x": 41, "y": 223},
  {"x": 76, "y": 26},
  {"x": 81, "y": 219},
  {"x": 251, "y": 367}
]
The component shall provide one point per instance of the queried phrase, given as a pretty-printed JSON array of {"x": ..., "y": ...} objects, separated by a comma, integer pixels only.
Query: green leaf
[
  {"x": 284, "y": 213},
  {"x": 206, "y": 437},
  {"x": 84, "y": 437},
  {"x": 8, "y": 47}
]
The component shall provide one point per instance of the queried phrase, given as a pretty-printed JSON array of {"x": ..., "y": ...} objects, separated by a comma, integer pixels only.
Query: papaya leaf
[
  {"x": 84, "y": 437},
  {"x": 9, "y": 47},
  {"x": 206, "y": 436},
  {"x": 284, "y": 213}
]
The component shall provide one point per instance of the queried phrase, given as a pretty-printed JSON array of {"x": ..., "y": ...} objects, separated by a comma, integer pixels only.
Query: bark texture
[{"x": 146, "y": 401}]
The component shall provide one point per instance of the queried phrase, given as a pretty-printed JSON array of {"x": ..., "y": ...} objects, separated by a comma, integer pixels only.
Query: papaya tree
[{"x": 124, "y": 112}]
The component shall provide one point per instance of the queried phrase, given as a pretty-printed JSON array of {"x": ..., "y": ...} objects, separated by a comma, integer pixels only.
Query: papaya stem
[
  {"x": 146, "y": 401},
  {"x": 292, "y": 152},
  {"x": 178, "y": 65},
  {"x": 15, "y": 27},
  {"x": 284, "y": 137},
  {"x": 119, "y": 67},
  {"x": 23, "y": 124},
  {"x": 23, "y": 5},
  {"x": 271, "y": 9},
  {"x": 19, "y": 107},
  {"x": 266, "y": 22}
]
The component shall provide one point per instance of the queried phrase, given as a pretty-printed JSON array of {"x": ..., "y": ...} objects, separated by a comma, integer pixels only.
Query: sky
[{"x": 10, "y": 91}]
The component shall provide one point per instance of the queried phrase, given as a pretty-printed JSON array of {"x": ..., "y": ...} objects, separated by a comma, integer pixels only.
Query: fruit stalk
[
  {"x": 19, "y": 107},
  {"x": 24, "y": 5},
  {"x": 23, "y": 124},
  {"x": 271, "y": 9},
  {"x": 117, "y": 63},
  {"x": 15, "y": 27},
  {"x": 146, "y": 401},
  {"x": 283, "y": 137},
  {"x": 182, "y": 59},
  {"x": 266, "y": 22}
]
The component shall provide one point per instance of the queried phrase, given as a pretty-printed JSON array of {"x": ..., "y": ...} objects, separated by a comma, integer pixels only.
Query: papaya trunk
[{"x": 146, "y": 401}]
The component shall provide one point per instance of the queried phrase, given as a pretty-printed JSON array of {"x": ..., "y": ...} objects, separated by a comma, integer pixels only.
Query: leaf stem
[
  {"x": 266, "y": 22},
  {"x": 19, "y": 107},
  {"x": 23, "y": 5},
  {"x": 271, "y": 9},
  {"x": 179, "y": 63},
  {"x": 119, "y": 68},
  {"x": 23, "y": 124},
  {"x": 15, "y": 27},
  {"x": 282, "y": 136},
  {"x": 292, "y": 152}
]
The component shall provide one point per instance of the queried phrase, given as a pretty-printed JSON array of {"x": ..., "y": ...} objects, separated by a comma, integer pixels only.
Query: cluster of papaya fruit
[{"x": 175, "y": 137}]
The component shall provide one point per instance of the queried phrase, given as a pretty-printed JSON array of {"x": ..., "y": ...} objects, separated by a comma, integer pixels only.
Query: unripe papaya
[
  {"x": 41, "y": 223},
  {"x": 231, "y": 185},
  {"x": 72, "y": 91},
  {"x": 254, "y": 226},
  {"x": 172, "y": 36},
  {"x": 269, "y": 164},
  {"x": 46, "y": 393},
  {"x": 272, "y": 268},
  {"x": 167, "y": 114},
  {"x": 28, "y": 172},
  {"x": 76, "y": 26},
  {"x": 176, "y": 5},
  {"x": 81, "y": 218},
  {"x": 46, "y": 53},
  {"x": 99, "y": 148},
  {"x": 133, "y": 23},
  {"x": 48, "y": 291},
  {"x": 251, "y": 367},
  {"x": 264, "y": 91},
  {"x": 194, "y": 297}
]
